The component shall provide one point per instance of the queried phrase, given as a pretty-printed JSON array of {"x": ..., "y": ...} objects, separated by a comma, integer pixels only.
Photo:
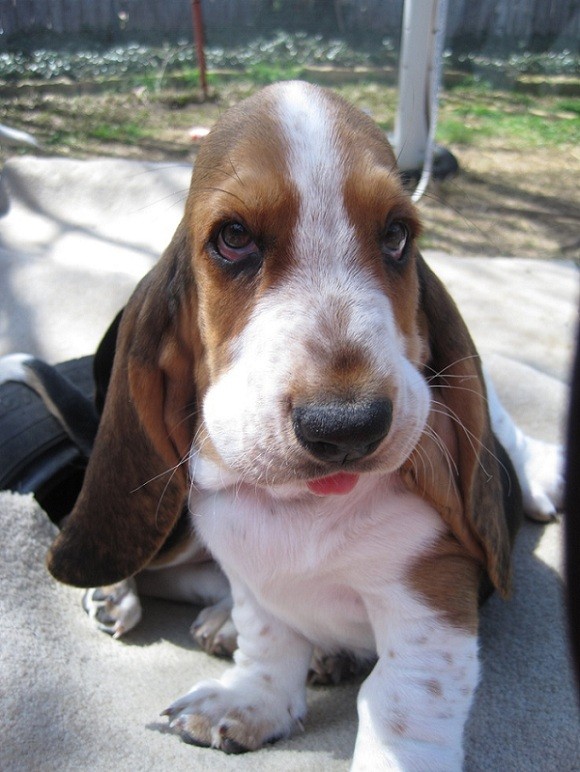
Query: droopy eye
[
  {"x": 234, "y": 242},
  {"x": 395, "y": 240}
]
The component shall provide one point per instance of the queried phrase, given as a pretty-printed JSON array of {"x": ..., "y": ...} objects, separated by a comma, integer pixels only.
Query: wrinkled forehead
[{"x": 292, "y": 139}]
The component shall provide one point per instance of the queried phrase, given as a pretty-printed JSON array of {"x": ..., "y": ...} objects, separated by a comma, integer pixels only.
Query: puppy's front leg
[
  {"x": 413, "y": 706},
  {"x": 260, "y": 699}
]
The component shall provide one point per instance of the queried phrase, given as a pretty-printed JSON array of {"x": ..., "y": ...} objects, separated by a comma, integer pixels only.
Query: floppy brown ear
[
  {"x": 455, "y": 465},
  {"x": 136, "y": 482}
]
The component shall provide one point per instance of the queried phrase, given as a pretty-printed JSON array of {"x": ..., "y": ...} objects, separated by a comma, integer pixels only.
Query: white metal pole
[{"x": 422, "y": 42}]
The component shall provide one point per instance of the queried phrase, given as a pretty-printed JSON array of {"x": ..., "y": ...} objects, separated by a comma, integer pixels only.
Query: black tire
[{"x": 36, "y": 455}]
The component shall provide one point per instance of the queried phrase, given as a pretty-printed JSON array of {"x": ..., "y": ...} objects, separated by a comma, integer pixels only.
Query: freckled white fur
[
  {"x": 332, "y": 553},
  {"x": 330, "y": 571}
]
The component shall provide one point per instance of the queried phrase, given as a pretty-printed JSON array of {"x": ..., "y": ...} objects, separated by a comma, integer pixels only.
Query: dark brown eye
[
  {"x": 235, "y": 242},
  {"x": 395, "y": 240}
]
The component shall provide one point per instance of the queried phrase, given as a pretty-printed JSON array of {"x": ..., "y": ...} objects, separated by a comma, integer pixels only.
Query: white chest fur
[{"x": 314, "y": 562}]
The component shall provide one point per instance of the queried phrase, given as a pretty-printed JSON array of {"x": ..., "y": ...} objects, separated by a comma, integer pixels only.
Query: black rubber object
[{"x": 36, "y": 455}]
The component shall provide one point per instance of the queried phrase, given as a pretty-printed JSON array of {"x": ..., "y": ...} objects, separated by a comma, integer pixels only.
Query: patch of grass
[
  {"x": 61, "y": 141},
  {"x": 569, "y": 105},
  {"x": 160, "y": 80},
  {"x": 529, "y": 122},
  {"x": 520, "y": 98},
  {"x": 540, "y": 130},
  {"x": 264, "y": 73},
  {"x": 163, "y": 109},
  {"x": 125, "y": 132},
  {"x": 477, "y": 110},
  {"x": 189, "y": 77},
  {"x": 452, "y": 131}
]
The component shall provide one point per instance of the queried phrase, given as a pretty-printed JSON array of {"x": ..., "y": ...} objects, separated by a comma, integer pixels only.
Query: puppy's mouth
[{"x": 338, "y": 484}]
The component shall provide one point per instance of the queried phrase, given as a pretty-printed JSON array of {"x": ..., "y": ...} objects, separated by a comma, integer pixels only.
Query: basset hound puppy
[{"x": 293, "y": 376}]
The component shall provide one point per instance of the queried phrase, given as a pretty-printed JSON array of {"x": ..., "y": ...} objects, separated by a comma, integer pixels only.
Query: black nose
[{"x": 342, "y": 431}]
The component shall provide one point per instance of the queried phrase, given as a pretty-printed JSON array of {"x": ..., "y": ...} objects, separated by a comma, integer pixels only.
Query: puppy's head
[
  {"x": 304, "y": 259},
  {"x": 291, "y": 338}
]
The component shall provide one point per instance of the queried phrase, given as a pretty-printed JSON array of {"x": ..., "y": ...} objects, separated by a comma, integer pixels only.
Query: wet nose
[{"x": 342, "y": 431}]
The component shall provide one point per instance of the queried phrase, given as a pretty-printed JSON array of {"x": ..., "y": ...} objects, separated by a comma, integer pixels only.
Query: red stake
[{"x": 199, "y": 43}]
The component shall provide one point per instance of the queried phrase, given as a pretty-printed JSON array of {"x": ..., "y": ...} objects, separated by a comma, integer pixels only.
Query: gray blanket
[{"x": 75, "y": 240}]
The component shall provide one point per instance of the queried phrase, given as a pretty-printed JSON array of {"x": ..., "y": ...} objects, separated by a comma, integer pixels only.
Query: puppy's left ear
[
  {"x": 136, "y": 481},
  {"x": 456, "y": 465},
  {"x": 103, "y": 362}
]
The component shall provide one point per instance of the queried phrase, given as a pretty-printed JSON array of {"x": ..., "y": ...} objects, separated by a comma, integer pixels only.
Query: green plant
[
  {"x": 454, "y": 132},
  {"x": 123, "y": 132}
]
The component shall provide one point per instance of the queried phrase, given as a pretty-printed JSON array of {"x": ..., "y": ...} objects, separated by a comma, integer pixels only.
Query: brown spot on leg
[
  {"x": 434, "y": 687},
  {"x": 399, "y": 725}
]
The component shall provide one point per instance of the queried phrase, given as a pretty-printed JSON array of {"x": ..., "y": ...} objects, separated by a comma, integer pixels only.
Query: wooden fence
[{"x": 475, "y": 23}]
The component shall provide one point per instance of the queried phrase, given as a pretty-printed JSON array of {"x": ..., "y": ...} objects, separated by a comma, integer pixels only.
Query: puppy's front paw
[
  {"x": 235, "y": 718},
  {"x": 214, "y": 629},
  {"x": 114, "y": 609},
  {"x": 542, "y": 481}
]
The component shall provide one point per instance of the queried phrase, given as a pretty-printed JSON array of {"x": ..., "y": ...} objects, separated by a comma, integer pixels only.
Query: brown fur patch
[
  {"x": 240, "y": 176},
  {"x": 448, "y": 578}
]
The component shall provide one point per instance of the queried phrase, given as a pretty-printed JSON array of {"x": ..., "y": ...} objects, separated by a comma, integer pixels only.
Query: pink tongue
[{"x": 334, "y": 484}]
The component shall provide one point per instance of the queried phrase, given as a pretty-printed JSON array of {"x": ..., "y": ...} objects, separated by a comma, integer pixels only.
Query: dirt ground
[{"x": 504, "y": 201}]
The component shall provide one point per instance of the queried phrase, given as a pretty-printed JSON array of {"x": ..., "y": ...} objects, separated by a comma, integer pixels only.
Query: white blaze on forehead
[
  {"x": 316, "y": 167},
  {"x": 329, "y": 282}
]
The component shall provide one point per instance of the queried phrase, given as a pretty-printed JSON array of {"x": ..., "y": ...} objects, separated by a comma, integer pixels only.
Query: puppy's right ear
[
  {"x": 136, "y": 481},
  {"x": 456, "y": 466}
]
